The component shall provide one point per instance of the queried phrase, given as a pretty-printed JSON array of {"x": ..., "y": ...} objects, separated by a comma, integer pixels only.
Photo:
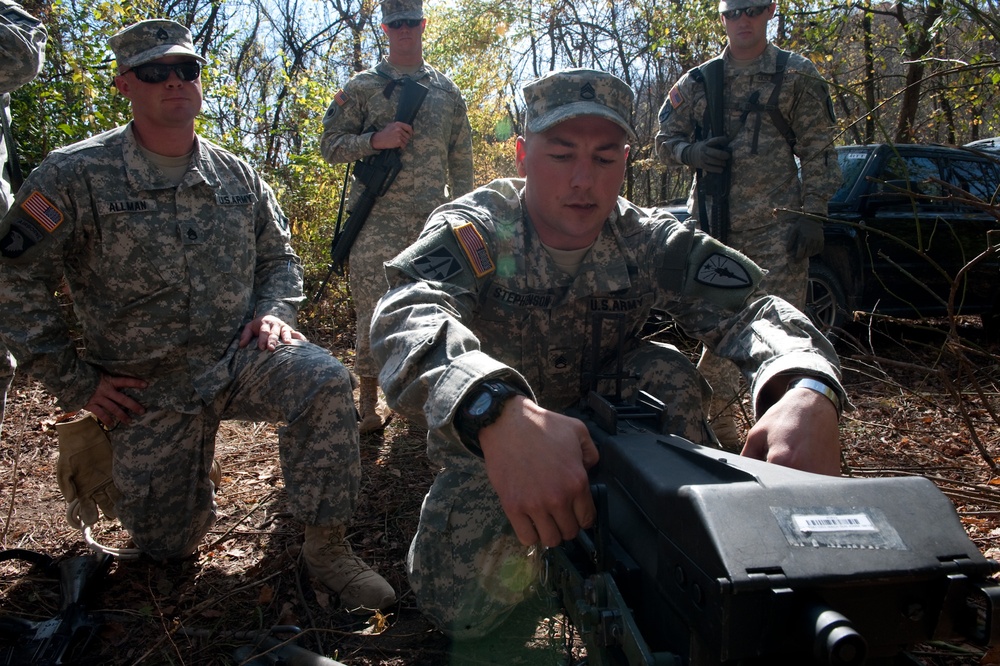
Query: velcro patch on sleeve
[
  {"x": 21, "y": 236},
  {"x": 341, "y": 97},
  {"x": 675, "y": 96},
  {"x": 475, "y": 249},
  {"x": 723, "y": 272},
  {"x": 42, "y": 211},
  {"x": 437, "y": 265}
]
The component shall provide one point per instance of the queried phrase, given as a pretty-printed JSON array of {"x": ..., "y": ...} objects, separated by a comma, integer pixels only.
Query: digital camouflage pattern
[
  {"x": 150, "y": 40},
  {"x": 22, "y": 54},
  {"x": 763, "y": 179},
  {"x": 571, "y": 93},
  {"x": 395, "y": 10},
  {"x": 439, "y": 156},
  {"x": 163, "y": 280},
  {"x": 477, "y": 296},
  {"x": 726, "y": 5}
]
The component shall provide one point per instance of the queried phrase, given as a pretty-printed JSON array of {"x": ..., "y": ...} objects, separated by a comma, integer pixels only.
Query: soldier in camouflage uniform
[
  {"x": 776, "y": 212},
  {"x": 22, "y": 54},
  {"x": 185, "y": 286},
  {"x": 436, "y": 152},
  {"x": 485, "y": 335}
]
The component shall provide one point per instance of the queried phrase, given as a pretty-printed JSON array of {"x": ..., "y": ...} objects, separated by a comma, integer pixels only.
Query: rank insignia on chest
[{"x": 475, "y": 249}]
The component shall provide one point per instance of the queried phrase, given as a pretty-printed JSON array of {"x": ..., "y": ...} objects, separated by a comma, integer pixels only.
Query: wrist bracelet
[{"x": 818, "y": 386}]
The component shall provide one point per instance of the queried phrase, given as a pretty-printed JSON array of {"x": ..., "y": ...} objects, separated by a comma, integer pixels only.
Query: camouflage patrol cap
[
  {"x": 395, "y": 10},
  {"x": 726, "y": 5},
  {"x": 148, "y": 40},
  {"x": 571, "y": 93}
]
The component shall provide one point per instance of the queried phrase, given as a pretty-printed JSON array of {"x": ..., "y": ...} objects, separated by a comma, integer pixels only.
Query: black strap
[
  {"x": 13, "y": 165},
  {"x": 771, "y": 107}
]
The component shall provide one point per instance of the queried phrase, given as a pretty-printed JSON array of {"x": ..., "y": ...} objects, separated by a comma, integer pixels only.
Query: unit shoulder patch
[{"x": 722, "y": 272}]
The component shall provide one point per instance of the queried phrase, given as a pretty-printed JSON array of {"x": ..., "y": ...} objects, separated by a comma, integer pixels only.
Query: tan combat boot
[
  {"x": 331, "y": 560},
  {"x": 724, "y": 426},
  {"x": 368, "y": 399}
]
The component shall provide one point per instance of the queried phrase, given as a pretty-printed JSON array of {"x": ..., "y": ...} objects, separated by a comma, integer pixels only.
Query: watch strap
[{"x": 818, "y": 386}]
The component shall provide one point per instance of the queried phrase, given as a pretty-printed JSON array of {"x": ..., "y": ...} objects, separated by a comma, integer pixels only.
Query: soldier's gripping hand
[
  {"x": 800, "y": 431},
  {"x": 805, "y": 238},
  {"x": 84, "y": 469},
  {"x": 709, "y": 155},
  {"x": 537, "y": 462},
  {"x": 394, "y": 135}
]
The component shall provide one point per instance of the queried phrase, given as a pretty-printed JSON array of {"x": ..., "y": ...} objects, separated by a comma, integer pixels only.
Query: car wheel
[{"x": 826, "y": 299}]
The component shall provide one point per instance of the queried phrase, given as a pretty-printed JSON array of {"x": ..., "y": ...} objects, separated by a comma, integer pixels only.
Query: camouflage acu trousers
[
  {"x": 466, "y": 566},
  {"x": 162, "y": 458}
]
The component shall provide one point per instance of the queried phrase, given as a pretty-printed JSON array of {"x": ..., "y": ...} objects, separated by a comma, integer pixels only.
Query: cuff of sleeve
[
  {"x": 462, "y": 374},
  {"x": 280, "y": 309},
  {"x": 798, "y": 363}
]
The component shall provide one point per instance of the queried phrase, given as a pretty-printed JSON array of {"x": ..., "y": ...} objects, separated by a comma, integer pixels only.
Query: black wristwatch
[{"x": 481, "y": 408}]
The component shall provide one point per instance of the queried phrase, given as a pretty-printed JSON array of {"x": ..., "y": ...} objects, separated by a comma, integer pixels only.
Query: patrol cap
[
  {"x": 148, "y": 40},
  {"x": 726, "y": 5},
  {"x": 395, "y": 10},
  {"x": 571, "y": 93}
]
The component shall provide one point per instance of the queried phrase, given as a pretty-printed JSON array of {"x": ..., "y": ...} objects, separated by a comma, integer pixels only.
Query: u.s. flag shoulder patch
[
  {"x": 341, "y": 97},
  {"x": 42, "y": 211},
  {"x": 675, "y": 96},
  {"x": 475, "y": 249}
]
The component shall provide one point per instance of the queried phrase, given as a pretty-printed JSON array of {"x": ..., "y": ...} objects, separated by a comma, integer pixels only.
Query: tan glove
[{"x": 84, "y": 469}]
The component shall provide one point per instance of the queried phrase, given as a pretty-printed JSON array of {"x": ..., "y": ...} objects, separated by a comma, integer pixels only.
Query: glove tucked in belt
[{"x": 84, "y": 468}]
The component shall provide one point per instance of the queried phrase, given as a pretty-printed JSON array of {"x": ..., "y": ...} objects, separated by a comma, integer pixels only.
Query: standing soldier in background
[
  {"x": 436, "y": 153},
  {"x": 22, "y": 54},
  {"x": 739, "y": 121}
]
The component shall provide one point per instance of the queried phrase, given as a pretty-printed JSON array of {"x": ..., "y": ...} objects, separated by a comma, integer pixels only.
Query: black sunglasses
[
  {"x": 752, "y": 12},
  {"x": 399, "y": 23},
  {"x": 155, "y": 72}
]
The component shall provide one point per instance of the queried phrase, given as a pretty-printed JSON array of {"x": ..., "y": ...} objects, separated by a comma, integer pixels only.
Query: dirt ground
[{"x": 247, "y": 576}]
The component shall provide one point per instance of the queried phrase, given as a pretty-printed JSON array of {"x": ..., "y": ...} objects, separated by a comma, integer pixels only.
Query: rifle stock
[{"x": 377, "y": 173}]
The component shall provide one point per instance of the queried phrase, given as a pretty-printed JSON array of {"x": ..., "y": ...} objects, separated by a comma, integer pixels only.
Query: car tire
[{"x": 826, "y": 300}]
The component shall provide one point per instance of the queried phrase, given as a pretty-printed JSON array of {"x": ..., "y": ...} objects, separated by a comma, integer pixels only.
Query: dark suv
[{"x": 898, "y": 233}]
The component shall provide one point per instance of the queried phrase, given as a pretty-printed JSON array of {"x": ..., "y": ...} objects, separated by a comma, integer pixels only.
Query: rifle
[
  {"x": 48, "y": 643},
  {"x": 377, "y": 173},
  {"x": 701, "y": 557},
  {"x": 715, "y": 185}
]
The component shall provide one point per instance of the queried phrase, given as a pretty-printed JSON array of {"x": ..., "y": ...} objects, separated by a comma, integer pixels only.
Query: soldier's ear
[{"x": 519, "y": 152}]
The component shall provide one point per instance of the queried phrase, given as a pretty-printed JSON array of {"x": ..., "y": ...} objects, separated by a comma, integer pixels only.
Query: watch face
[{"x": 481, "y": 404}]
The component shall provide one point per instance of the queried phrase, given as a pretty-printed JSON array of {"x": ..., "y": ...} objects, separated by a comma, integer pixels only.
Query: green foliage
[{"x": 275, "y": 66}]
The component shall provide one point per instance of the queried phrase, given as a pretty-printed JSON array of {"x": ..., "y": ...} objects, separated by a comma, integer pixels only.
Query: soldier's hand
[
  {"x": 537, "y": 462},
  {"x": 806, "y": 238},
  {"x": 110, "y": 405},
  {"x": 709, "y": 155},
  {"x": 269, "y": 331},
  {"x": 394, "y": 135},
  {"x": 799, "y": 430}
]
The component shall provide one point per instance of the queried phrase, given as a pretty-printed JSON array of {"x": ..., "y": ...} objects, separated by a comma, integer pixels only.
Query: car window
[
  {"x": 852, "y": 161},
  {"x": 979, "y": 179},
  {"x": 912, "y": 174}
]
